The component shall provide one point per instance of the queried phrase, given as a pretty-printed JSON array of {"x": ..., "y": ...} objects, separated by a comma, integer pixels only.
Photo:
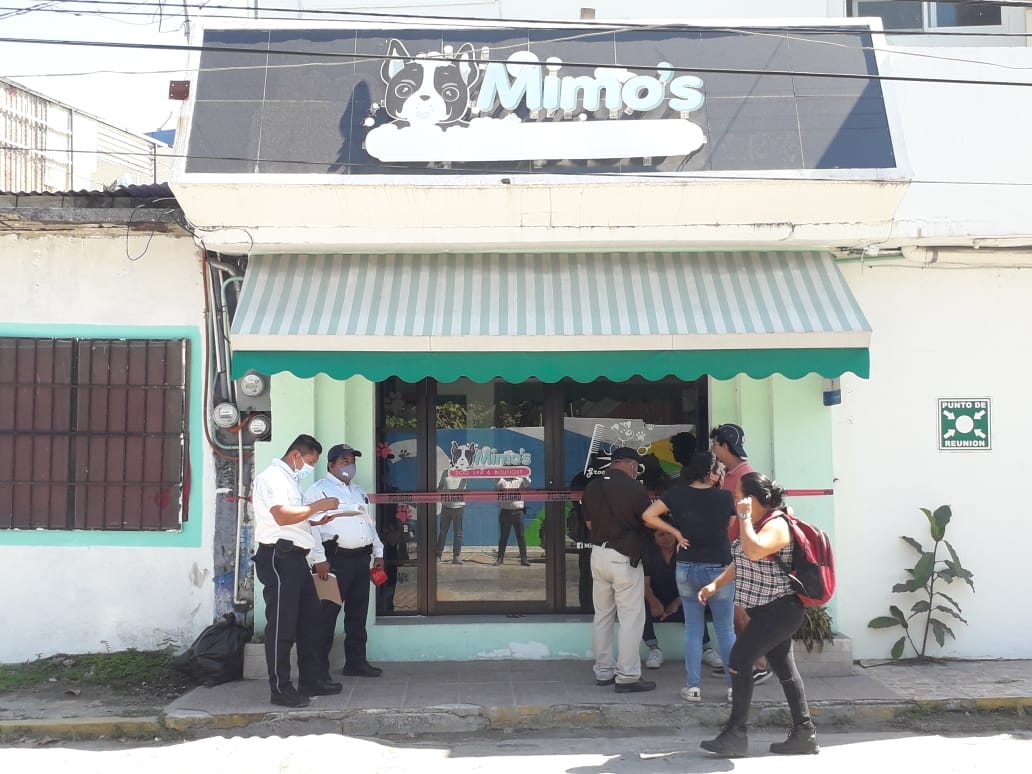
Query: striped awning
[{"x": 549, "y": 316}]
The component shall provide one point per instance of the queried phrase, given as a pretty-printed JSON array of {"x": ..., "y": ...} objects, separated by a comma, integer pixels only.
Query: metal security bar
[{"x": 93, "y": 433}]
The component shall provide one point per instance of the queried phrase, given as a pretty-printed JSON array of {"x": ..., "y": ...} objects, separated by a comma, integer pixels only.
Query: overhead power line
[
  {"x": 383, "y": 57},
  {"x": 205, "y": 11},
  {"x": 507, "y": 171}
]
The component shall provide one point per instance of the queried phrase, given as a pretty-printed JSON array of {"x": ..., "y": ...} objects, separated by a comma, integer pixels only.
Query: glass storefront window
[
  {"x": 605, "y": 415},
  {"x": 489, "y": 467},
  {"x": 489, "y": 438},
  {"x": 398, "y": 471}
]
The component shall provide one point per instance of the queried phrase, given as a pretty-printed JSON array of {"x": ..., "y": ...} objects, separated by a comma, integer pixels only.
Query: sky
[
  {"x": 129, "y": 87},
  {"x": 125, "y": 87}
]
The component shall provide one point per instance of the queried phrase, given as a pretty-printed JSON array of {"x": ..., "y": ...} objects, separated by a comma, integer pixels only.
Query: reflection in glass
[
  {"x": 396, "y": 460},
  {"x": 489, "y": 439},
  {"x": 480, "y": 449},
  {"x": 602, "y": 416}
]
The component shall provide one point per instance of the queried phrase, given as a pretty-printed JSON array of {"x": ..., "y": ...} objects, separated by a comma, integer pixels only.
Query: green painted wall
[
  {"x": 788, "y": 434},
  {"x": 334, "y": 412}
]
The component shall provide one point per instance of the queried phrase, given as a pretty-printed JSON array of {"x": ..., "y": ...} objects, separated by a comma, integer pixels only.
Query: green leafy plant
[
  {"x": 929, "y": 571},
  {"x": 816, "y": 628}
]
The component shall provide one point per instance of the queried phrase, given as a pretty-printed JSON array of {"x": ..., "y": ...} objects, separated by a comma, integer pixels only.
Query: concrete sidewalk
[{"x": 435, "y": 697}]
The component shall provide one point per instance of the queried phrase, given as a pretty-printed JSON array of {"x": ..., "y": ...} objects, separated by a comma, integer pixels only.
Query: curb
[
  {"x": 470, "y": 718},
  {"x": 84, "y": 727}
]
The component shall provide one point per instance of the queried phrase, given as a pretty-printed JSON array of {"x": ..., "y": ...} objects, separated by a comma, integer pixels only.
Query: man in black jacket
[{"x": 613, "y": 504}]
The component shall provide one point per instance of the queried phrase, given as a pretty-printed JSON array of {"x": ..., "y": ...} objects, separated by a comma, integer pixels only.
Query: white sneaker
[
  {"x": 691, "y": 694},
  {"x": 711, "y": 658},
  {"x": 655, "y": 659}
]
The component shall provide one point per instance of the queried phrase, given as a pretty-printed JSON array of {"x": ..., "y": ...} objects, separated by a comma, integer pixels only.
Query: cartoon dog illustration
[
  {"x": 431, "y": 89},
  {"x": 462, "y": 454}
]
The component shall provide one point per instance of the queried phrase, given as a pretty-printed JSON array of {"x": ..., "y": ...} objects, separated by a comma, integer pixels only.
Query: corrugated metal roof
[
  {"x": 150, "y": 208},
  {"x": 151, "y": 191}
]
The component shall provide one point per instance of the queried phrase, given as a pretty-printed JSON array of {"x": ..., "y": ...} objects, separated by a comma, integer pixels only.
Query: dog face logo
[
  {"x": 462, "y": 454},
  {"x": 430, "y": 89}
]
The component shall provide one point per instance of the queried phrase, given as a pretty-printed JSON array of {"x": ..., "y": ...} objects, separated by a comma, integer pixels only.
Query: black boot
[
  {"x": 801, "y": 741},
  {"x": 730, "y": 743}
]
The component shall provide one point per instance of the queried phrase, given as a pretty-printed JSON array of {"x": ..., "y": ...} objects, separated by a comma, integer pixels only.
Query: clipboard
[
  {"x": 328, "y": 589},
  {"x": 347, "y": 510}
]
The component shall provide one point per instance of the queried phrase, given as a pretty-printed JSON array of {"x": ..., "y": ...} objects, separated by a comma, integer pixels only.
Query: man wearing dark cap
[
  {"x": 728, "y": 444},
  {"x": 612, "y": 504},
  {"x": 344, "y": 547}
]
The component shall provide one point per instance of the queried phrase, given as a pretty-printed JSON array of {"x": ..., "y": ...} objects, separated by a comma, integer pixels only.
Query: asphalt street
[{"x": 523, "y": 752}]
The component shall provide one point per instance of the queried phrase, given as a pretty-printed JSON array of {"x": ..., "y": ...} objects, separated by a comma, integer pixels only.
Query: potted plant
[{"x": 816, "y": 628}]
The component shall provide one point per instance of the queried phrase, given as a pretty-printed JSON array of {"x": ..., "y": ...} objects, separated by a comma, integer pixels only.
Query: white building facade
[
  {"x": 107, "y": 487},
  {"x": 918, "y": 236},
  {"x": 879, "y": 239}
]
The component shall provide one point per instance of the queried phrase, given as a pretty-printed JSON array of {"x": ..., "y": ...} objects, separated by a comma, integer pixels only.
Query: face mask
[
  {"x": 304, "y": 472},
  {"x": 348, "y": 471}
]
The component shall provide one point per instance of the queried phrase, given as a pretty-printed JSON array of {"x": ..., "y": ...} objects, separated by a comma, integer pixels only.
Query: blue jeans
[{"x": 692, "y": 576}]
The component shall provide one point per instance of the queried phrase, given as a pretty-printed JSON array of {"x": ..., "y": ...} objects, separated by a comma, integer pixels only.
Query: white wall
[
  {"x": 74, "y": 592},
  {"x": 965, "y": 144},
  {"x": 93, "y": 281},
  {"x": 942, "y": 332}
]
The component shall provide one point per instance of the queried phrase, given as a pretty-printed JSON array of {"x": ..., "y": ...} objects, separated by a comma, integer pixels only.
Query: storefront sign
[
  {"x": 449, "y": 107},
  {"x": 471, "y": 460},
  {"x": 964, "y": 423},
  {"x": 565, "y": 100}
]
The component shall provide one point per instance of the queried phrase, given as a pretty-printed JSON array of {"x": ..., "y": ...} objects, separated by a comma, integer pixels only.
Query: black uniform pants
[
  {"x": 353, "y": 580},
  {"x": 291, "y": 615},
  {"x": 511, "y": 519},
  {"x": 451, "y": 518}
]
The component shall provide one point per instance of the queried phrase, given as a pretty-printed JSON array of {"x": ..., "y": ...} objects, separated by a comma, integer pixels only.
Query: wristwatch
[{"x": 745, "y": 516}]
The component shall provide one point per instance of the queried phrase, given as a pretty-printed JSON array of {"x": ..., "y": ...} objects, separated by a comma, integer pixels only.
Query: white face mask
[
  {"x": 348, "y": 471},
  {"x": 304, "y": 471}
]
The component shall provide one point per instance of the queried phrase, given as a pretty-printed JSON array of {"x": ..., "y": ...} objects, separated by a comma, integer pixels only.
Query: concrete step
[{"x": 832, "y": 658}]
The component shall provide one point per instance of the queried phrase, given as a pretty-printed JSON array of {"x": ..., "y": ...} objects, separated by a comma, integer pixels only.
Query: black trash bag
[{"x": 217, "y": 655}]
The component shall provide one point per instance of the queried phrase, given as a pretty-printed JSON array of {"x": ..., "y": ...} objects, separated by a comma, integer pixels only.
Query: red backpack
[{"x": 812, "y": 571}]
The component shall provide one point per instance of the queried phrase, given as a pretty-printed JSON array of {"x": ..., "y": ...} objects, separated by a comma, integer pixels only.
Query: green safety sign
[{"x": 964, "y": 423}]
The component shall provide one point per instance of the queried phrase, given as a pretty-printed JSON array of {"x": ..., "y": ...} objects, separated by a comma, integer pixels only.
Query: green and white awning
[{"x": 549, "y": 316}]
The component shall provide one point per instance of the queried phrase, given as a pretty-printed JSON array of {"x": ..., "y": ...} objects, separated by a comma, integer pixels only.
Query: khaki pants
[{"x": 618, "y": 592}]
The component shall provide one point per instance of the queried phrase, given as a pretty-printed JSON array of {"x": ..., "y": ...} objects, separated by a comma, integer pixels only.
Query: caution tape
[{"x": 526, "y": 495}]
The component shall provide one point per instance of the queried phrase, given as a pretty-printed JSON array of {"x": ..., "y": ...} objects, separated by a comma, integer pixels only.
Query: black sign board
[{"x": 550, "y": 101}]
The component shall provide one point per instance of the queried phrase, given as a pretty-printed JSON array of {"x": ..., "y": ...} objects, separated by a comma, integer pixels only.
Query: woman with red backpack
[{"x": 775, "y": 614}]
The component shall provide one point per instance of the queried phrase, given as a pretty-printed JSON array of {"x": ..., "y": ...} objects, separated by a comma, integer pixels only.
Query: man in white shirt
[
  {"x": 281, "y": 526},
  {"x": 343, "y": 547},
  {"x": 451, "y": 515}
]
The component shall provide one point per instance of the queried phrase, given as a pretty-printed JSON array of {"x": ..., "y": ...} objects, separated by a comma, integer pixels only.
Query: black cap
[
  {"x": 733, "y": 437},
  {"x": 625, "y": 453},
  {"x": 341, "y": 450}
]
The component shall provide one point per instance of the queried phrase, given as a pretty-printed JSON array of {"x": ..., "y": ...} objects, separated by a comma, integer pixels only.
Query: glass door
[
  {"x": 652, "y": 417},
  {"x": 487, "y": 536},
  {"x": 474, "y": 481}
]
